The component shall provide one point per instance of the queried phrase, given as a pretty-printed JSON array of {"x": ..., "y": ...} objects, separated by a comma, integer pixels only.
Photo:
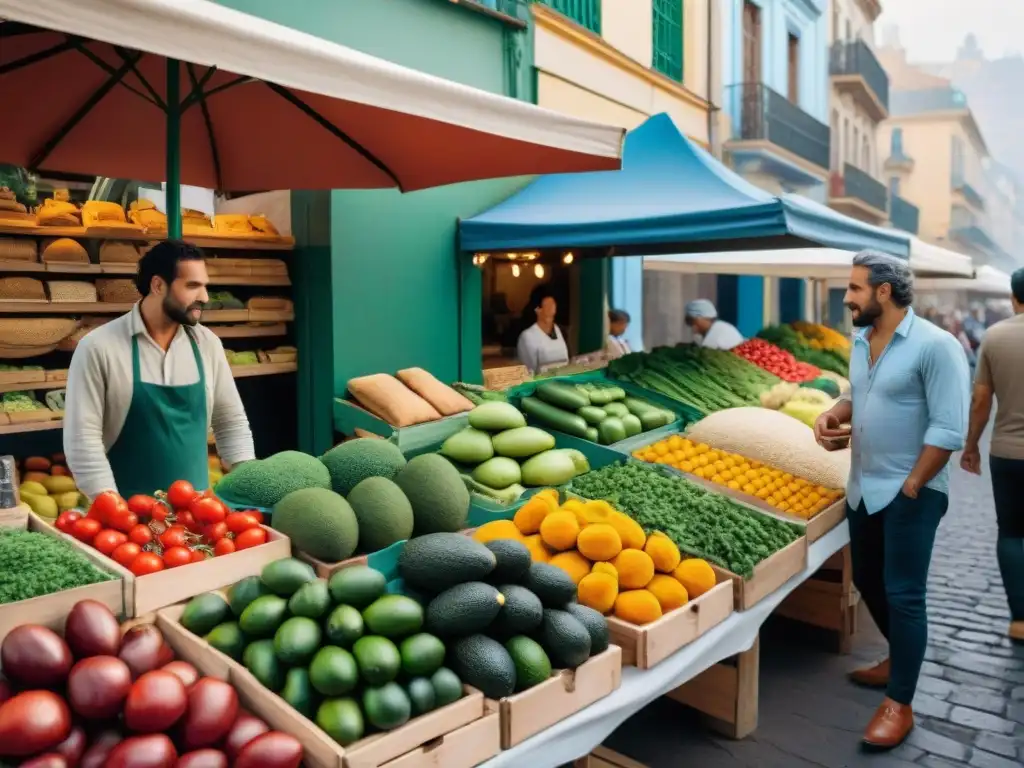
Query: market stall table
[{"x": 580, "y": 734}]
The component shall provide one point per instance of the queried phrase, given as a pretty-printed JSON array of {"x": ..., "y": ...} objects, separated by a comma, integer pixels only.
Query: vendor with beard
[{"x": 144, "y": 390}]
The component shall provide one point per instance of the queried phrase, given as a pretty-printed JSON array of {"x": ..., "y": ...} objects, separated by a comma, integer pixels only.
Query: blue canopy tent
[{"x": 671, "y": 196}]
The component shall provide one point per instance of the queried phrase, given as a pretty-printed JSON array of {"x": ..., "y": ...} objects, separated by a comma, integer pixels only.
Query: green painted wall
[{"x": 399, "y": 295}]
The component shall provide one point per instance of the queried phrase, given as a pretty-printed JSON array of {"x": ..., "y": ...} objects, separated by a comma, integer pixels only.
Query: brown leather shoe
[
  {"x": 872, "y": 677},
  {"x": 1016, "y": 631},
  {"x": 890, "y": 725}
]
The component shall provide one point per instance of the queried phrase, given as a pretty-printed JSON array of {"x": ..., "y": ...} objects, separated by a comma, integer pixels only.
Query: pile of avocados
[
  {"x": 506, "y": 621},
  {"x": 342, "y": 652}
]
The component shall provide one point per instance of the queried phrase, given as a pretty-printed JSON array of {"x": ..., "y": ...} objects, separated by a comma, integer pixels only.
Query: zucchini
[
  {"x": 611, "y": 430},
  {"x": 632, "y": 425},
  {"x": 599, "y": 396},
  {"x": 569, "y": 398},
  {"x": 553, "y": 417},
  {"x": 592, "y": 414},
  {"x": 592, "y": 434},
  {"x": 615, "y": 393},
  {"x": 637, "y": 406},
  {"x": 616, "y": 409},
  {"x": 652, "y": 419}
]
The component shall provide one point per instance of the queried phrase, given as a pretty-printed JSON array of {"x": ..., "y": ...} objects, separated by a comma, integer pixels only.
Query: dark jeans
[
  {"x": 1007, "y": 486},
  {"x": 891, "y": 552}
]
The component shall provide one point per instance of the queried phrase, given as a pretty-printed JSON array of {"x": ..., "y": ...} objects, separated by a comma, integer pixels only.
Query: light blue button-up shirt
[{"x": 917, "y": 393}]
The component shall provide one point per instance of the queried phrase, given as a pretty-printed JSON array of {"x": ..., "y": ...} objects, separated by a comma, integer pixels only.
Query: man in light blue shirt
[{"x": 908, "y": 411}]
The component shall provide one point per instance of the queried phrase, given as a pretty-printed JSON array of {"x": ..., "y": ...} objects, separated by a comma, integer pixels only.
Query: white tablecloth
[{"x": 580, "y": 734}]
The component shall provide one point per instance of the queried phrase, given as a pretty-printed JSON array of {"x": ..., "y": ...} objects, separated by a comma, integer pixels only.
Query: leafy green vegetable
[
  {"x": 701, "y": 523},
  {"x": 787, "y": 338},
  {"x": 34, "y": 564},
  {"x": 478, "y": 395}
]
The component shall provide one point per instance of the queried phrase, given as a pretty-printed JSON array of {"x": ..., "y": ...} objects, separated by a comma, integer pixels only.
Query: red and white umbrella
[{"x": 96, "y": 87}]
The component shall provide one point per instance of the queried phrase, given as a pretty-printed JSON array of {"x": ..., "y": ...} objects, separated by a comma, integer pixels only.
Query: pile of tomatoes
[
  {"x": 95, "y": 699},
  {"x": 775, "y": 360},
  {"x": 146, "y": 534}
]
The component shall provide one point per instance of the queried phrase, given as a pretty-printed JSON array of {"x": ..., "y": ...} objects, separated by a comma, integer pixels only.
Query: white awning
[
  {"x": 812, "y": 263},
  {"x": 932, "y": 260},
  {"x": 987, "y": 280}
]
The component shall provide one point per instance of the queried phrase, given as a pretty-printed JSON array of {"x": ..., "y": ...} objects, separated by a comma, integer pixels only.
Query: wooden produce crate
[
  {"x": 349, "y": 416},
  {"x": 464, "y": 747},
  {"x": 648, "y": 645},
  {"x": 770, "y": 574},
  {"x": 566, "y": 692},
  {"x": 420, "y": 736},
  {"x": 144, "y": 594},
  {"x": 828, "y": 600},
  {"x": 51, "y": 610},
  {"x": 385, "y": 560},
  {"x": 22, "y": 377}
]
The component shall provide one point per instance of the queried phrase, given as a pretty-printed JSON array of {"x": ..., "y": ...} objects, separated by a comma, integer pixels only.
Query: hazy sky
[{"x": 932, "y": 30}]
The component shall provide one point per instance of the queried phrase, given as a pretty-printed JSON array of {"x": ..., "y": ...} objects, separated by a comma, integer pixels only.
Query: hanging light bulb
[
  {"x": 539, "y": 271},
  {"x": 515, "y": 270},
  {"x": 479, "y": 259},
  {"x": 512, "y": 256},
  {"x": 568, "y": 258}
]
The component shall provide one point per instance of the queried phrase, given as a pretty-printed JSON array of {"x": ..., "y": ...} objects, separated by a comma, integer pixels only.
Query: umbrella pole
[{"x": 173, "y": 188}]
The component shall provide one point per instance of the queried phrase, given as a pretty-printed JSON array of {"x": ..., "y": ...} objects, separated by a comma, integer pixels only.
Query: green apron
[{"x": 164, "y": 435}]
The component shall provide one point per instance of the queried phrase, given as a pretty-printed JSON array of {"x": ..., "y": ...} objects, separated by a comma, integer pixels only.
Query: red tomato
[
  {"x": 215, "y": 532},
  {"x": 245, "y": 728},
  {"x": 143, "y": 649},
  {"x": 86, "y": 528},
  {"x": 203, "y": 758},
  {"x": 126, "y": 553},
  {"x": 207, "y": 510},
  {"x": 250, "y": 538},
  {"x": 91, "y": 629},
  {"x": 140, "y": 534},
  {"x": 198, "y": 555},
  {"x": 155, "y": 750},
  {"x": 141, "y": 504},
  {"x": 155, "y": 702},
  {"x": 73, "y": 747},
  {"x": 177, "y": 556},
  {"x": 103, "y": 505},
  {"x": 255, "y": 513},
  {"x": 271, "y": 750},
  {"x": 184, "y": 672},
  {"x": 186, "y": 519},
  {"x": 122, "y": 519},
  {"x": 97, "y": 687},
  {"x": 96, "y": 755},
  {"x": 175, "y": 536},
  {"x": 146, "y": 563},
  {"x": 240, "y": 521},
  {"x": 66, "y": 520},
  {"x": 108, "y": 540},
  {"x": 33, "y": 722},
  {"x": 159, "y": 511},
  {"x": 212, "y": 709},
  {"x": 34, "y": 656},
  {"x": 180, "y": 494},
  {"x": 223, "y": 547}
]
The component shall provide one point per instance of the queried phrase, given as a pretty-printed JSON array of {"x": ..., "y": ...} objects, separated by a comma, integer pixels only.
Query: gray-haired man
[{"x": 908, "y": 410}]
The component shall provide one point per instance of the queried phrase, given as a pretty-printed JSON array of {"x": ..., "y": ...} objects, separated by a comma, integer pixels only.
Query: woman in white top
[
  {"x": 618, "y": 323},
  {"x": 542, "y": 344},
  {"x": 708, "y": 330}
]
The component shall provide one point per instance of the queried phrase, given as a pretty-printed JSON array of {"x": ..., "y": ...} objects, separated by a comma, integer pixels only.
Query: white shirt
[
  {"x": 616, "y": 347},
  {"x": 721, "y": 335},
  {"x": 536, "y": 349},
  {"x": 99, "y": 393}
]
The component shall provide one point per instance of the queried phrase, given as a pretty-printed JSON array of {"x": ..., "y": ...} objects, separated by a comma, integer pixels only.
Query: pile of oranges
[{"x": 781, "y": 490}]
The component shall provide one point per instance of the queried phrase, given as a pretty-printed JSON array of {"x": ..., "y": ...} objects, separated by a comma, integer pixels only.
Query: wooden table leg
[{"x": 828, "y": 600}]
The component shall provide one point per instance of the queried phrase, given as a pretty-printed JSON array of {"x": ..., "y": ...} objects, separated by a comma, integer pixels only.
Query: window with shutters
[
  {"x": 586, "y": 13},
  {"x": 668, "y": 38}
]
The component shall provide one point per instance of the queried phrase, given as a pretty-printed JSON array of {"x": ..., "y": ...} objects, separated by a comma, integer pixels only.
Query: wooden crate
[
  {"x": 51, "y": 610},
  {"x": 144, "y": 594},
  {"x": 563, "y": 694},
  {"x": 828, "y": 600},
  {"x": 770, "y": 574},
  {"x": 419, "y": 736},
  {"x": 646, "y": 646},
  {"x": 464, "y": 747},
  {"x": 726, "y": 693}
]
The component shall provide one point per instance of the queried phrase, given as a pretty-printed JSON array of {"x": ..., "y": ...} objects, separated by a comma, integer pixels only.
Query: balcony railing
[
  {"x": 904, "y": 214},
  {"x": 855, "y": 183},
  {"x": 857, "y": 58},
  {"x": 767, "y": 115},
  {"x": 586, "y": 13},
  {"x": 971, "y": 195},
  {"x": 941, "y": 99}
]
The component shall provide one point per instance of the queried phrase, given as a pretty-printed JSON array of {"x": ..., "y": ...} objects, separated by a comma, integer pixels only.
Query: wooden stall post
[
  {"x": 828, "y": 600},
  {"x": 726, "y": 693}
]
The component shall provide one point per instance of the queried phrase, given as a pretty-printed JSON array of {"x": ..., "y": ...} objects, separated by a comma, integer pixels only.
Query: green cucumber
[
  {"x": 592, "y": 414},
  {"x": 632, "y": 425},
  {"x": 616, "y": 409},
  {"x": 562, "y": 395},
  {"x": 555, "y": 418},
  {"x": 593, "y": 435},
  {"x": 611, "y": 430}
]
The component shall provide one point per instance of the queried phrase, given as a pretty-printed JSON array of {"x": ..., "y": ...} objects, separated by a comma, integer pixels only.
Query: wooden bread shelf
[
  {"x": 249, "y": 331},
  {"x": 65, "y": 308},
  {"x": 130, "y": 270},
  {"x": 263, "y": 369},
  {"x": 276, "y": 243},
  {"x": 33, "y": 426}
]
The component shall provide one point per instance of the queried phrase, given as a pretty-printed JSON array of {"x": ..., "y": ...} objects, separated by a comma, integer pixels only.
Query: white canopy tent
[{"x": 987, "y": 281}]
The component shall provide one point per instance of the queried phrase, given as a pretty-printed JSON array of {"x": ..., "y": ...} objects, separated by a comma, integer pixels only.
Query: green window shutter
[
  {"x": 586, "y": 13},
  {"x": 668, "y": 38}
]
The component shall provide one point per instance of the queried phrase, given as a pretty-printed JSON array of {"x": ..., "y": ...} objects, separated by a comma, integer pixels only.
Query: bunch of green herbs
[{"x": 34, "y": 564}]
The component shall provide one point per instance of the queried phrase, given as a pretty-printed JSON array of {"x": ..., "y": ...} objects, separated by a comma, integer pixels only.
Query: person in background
[
  {"x": 708, "y": 330},
  {"x": 542, "y": 344},
  {"x": 618, "y": 323},
  {"x": 145, "y": 389},
  {"x": 999, "y": 374},
  {"x": 908, "y": 410}
]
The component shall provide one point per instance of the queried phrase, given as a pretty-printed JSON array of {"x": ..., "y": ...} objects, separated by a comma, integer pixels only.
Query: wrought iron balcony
[
  {"x": 761, "y": 114},
  {"x": 854, "y": 67},
  {"x": 971, "y": 196},
  {"x": 942, "y": 99},
  {"x": 586, "y": 13},
  {"x": 904, "y": 214},
  {"x": 970, "y": 228},
  {"x": 855, "y": 183}
]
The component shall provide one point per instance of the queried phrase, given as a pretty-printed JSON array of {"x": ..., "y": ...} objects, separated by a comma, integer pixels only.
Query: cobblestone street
[{"x": 970, "y": 702}]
